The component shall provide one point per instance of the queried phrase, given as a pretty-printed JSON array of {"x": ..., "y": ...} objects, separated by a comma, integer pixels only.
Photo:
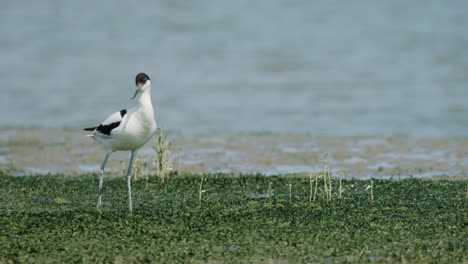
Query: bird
[{"x": 126, "y": 130}]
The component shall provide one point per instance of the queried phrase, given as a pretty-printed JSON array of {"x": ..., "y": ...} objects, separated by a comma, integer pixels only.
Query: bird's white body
[
  {"x": 136, "y": 127},
  {"x": 127, "y": 130}
]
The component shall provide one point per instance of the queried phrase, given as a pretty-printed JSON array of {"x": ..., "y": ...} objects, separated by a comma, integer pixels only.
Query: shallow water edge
[{"x": 68, "y": 151}]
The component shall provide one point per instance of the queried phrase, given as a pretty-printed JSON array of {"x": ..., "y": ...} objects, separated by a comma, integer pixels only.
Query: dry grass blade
[{"x": 163, "y": 164}]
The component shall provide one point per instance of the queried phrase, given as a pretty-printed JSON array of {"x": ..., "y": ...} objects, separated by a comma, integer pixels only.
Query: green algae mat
[{"x": 234, "y": 219}]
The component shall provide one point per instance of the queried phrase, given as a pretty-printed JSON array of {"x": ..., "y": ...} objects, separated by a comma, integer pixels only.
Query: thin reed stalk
[{"x": 200, "y": 190}]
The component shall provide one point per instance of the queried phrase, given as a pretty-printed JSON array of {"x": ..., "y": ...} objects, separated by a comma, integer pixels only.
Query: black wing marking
[
  {"x": 123, "y": 112},
  {"x": 90, "y": 128},
  {"x": 106, "y": 129}
]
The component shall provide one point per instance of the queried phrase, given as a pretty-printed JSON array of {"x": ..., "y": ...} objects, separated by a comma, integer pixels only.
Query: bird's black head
[
  {"x": 142, "y": 82},
  {"x": 141, "y": 78}
]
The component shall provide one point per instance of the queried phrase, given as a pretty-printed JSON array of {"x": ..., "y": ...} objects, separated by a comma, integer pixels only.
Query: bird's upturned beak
[{"x": 136, "y": 92}]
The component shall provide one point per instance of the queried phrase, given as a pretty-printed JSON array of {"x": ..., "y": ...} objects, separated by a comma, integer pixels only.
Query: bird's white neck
[{"x": 144, "y": 99}]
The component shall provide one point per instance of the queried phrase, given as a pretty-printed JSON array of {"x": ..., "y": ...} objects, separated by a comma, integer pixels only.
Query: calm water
[{"x": 319, "y": 67}]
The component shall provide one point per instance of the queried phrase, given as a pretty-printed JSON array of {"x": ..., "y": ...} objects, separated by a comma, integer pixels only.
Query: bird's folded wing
[{"x": 112, "y": 122}]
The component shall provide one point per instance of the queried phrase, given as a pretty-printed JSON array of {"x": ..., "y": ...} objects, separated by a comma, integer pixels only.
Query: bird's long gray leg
[
  {"x": 129, "y": 178},
  {"x": 101, "y": 179}
]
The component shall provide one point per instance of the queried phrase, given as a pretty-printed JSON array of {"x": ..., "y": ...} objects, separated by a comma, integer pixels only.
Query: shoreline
[{"x": 68, "y": 151}]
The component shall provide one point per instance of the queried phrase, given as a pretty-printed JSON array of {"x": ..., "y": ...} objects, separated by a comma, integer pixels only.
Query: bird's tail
[{"x": 90, "y": 129}]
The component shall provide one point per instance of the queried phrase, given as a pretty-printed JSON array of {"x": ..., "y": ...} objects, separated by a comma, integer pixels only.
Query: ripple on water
[
  {"x": 354, "y": 160},
  {"x": 288, "y": 169},
  {"x": 40, "y": 171},
  {"x": 86, "y": 168},
  {"x": 428, "y": 174},
  {"x": 380, "y": 165},
  {"x": 372, "y": 142}
]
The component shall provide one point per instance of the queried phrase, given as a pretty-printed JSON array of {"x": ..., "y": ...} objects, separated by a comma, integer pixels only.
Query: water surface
[{"x": 315, "y": 67}]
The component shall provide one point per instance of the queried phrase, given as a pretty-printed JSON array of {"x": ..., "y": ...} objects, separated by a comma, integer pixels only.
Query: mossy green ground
[{"x": 53, "y": 218}]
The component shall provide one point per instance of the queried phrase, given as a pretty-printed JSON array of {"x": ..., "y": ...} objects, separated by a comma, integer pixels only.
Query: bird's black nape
[{"x": 141, "y": 78}]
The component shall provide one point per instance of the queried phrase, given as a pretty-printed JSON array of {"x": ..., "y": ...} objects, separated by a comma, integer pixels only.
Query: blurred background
[{"x": 315, "y": 67}]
